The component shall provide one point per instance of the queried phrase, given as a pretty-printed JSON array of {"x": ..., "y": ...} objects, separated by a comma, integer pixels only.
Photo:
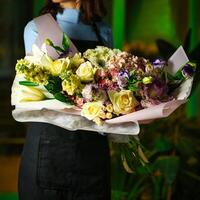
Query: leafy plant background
[{"x": 171, "y": 146}]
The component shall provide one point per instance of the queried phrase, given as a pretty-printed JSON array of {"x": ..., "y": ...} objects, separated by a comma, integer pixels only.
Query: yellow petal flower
[
  {"x": 123, "y": 102},
  {"x": 91, "y": 110},
  {"x": 59, "y": 66},
  {"x": 86, "y": 72}
]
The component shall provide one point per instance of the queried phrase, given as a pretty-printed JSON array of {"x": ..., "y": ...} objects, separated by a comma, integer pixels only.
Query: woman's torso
[{"x": 60, "y": 157}]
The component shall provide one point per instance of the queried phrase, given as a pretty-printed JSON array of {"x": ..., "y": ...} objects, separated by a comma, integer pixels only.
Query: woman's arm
[{"x": 30, "y": 35}]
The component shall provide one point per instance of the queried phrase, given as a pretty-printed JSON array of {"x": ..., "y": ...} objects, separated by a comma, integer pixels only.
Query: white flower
[
  {"x": 39, "y": 57},
  {"x": 27, "y": 93}
]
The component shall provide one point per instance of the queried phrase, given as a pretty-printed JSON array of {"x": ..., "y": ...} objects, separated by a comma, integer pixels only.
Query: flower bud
[
  {"x": 109, "y": 108},
  {"x": 102, "y": 114},
  {"x": 147, "y": 80},
  {"x": 109, "y": 115},
  {"x": 49, "y": 42}
]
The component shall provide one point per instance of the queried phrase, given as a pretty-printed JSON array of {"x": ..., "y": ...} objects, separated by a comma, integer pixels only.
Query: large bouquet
[{"x": 102, "y": 84}]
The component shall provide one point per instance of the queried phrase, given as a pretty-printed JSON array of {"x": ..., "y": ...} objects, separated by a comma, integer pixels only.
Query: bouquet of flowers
[{"x": 106, "y": 86}]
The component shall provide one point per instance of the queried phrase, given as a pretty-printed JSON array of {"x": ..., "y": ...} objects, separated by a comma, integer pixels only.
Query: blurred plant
[
  {"x": 173, "y": 159},
  {"x": 171, "y": 146},
  {"x": 142, "y": 49}
]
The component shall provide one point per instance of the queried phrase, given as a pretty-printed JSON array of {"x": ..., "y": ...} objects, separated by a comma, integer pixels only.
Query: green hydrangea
[
  {"x": 76, "y": 61},
  {"x": 100, "y": 55}
]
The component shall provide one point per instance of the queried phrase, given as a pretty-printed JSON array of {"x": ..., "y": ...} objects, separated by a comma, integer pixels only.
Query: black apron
[{"x": 58, "y": 164}]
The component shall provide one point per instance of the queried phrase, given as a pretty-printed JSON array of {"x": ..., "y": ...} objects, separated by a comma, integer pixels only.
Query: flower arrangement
[{"x": 103, "y": 83}]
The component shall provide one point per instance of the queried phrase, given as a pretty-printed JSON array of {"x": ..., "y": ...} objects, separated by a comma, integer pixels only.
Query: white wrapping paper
[{"x": 57, "y": 113}]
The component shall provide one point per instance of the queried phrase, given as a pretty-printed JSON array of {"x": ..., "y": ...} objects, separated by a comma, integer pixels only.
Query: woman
[{"x": 58, "y": 164}]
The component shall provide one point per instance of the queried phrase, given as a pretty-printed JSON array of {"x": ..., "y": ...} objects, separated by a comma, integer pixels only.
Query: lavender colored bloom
[
  {"x": 159, "y": 63},
  {"x": 157, "y": 90},
  {"x": 122, "y": 79},
  {"x": 188, "y": 71}
]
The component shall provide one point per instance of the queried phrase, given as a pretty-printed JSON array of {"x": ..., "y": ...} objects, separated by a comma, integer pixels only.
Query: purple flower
[
  {"x": 188, "y": 71},
  {"x": 157, "y": 90},
  {"x": 122, "y": 79},
  {"x": 159, "y": 63}
]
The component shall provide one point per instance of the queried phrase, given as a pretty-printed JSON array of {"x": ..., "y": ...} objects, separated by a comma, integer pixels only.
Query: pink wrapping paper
[{"x": 146, "y": 115}]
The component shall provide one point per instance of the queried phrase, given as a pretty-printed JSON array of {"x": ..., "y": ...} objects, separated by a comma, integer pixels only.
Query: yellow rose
[
  {"x": 71, "y": 85},
  {"x": 86, "y": 72},
  {"x": 91, "y": 110},
  {"x": 123, "y": 102},
  {"x": 59, "y": 66},
  {"x": 29, "y": 93}
]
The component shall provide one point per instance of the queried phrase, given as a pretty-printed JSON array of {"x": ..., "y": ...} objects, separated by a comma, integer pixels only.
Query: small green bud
[
  {"x": 49, "y": 42},
  {"x": 147, "y": 80}
]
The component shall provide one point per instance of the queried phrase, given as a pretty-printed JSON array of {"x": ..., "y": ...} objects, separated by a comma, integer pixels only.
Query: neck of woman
[{"x": 70, "y": 4}]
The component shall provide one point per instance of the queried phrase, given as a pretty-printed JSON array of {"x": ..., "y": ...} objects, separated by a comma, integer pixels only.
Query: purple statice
[
  {"x": 122, "y": 78},
  {"x": 158, "y": 63},
  {"x": 188, "y": 71}
]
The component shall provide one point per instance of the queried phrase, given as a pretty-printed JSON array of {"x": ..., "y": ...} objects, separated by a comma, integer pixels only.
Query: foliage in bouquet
[{"x": 104, "y": 83}]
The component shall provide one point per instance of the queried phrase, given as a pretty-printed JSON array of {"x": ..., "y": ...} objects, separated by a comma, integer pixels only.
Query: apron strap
[{"x": 99, "y": 37}]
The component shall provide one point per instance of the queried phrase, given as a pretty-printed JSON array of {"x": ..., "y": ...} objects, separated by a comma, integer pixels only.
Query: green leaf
[
  {"x": 61, "y": 97},
  {"x": 162, "y": 145},
  {"x": 179, "y": 75},
  {"x": 49, "y": 42},
  {"x": 28, "y": 83},
  {"x": 187, "y": 147},
  {"x": 133, "y": 88},
  {"x": 118, "y": 194},
  {"x": 137, "y": 189},
  {"x": 168, "y": 166},
  {"x": 65, "y": 42},
  {"x": 54, "y": 85},
  {"x": 59, "y": 49}
]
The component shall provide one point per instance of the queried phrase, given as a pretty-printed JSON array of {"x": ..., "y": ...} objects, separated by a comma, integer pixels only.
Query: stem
[{"x": 169, "y": 192}]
